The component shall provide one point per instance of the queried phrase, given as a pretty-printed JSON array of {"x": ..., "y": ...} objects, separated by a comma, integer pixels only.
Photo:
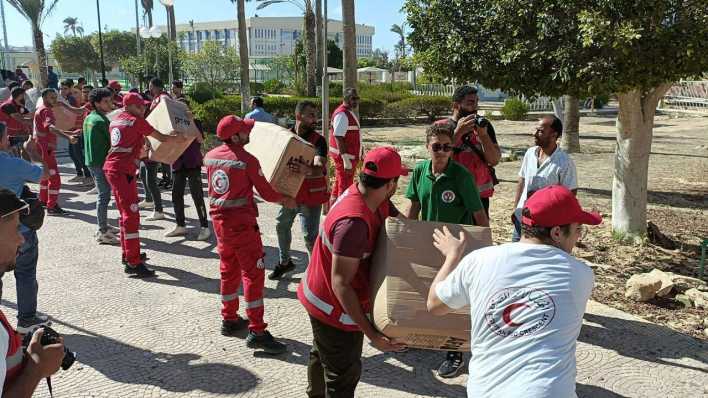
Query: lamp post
[
  {"x": 153, "y": 32},
  {"x": 170, "y": 29},
  {"x": 100, "y": 43}
]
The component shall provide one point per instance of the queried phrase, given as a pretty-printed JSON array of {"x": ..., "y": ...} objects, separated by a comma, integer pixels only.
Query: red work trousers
[
  {"x": 49, "y": 186},
  {"x": 241, "y": 251},
  {"x": 343, "y": 178},
  {"x": 125, "y": 191}
]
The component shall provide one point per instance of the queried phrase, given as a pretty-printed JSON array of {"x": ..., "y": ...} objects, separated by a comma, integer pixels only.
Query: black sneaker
[
  {"x": 140, "y": 271},
  {"x": 451, "y": 366},
  {"x": 281, "y": 269},
  {"x": 56, "y": 211},
  {"x": 143, "y": 257},
  {"x": 265, "y": 341},
  {"x": 232, "y": 327},
  {"x": 28, "y": 325}
]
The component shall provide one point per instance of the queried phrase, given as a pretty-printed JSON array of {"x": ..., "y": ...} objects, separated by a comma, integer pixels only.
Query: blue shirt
[
  {"x": 260, "y": 115},
  {"x": 15, "y": 173}
]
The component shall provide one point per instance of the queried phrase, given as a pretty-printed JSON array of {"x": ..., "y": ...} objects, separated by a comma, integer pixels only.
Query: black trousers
[
  {"x": 148, "y": 175},
  {"x": 335, "y": 361},
  {"x": 195, "y": 189},
  {"x": 76, "y": 153}
]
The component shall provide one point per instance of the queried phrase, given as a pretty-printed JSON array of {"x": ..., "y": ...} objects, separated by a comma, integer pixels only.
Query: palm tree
[
  {"x": 72, "y": 24},
  {"x": 36, "y": 11},
  {"x": 349, "y": 27},
  {"x": 172, "y": 34},
  {"x": 147, "y": 7},
  {"x": 400, "y": 30},
  {"x": 194, "y": 36},
  {"x": 310, "y": 42},
  {"x": 318, "y": 35},
  {"x": 243, "y": 55}
]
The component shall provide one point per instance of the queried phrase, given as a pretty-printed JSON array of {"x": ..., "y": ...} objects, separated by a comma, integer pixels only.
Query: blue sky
[{"x": 120, "y": 14}]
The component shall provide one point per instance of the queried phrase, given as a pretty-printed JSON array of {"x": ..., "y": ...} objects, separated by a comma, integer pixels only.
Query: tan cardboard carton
[
  {"x": 403, "y": 268},
  {"x": 275, "y": 148},
  {"x": 168, "y": 116}
]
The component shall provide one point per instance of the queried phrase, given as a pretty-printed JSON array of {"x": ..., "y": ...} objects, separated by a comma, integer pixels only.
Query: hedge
[
  {"x": 434, "y": 107},
  {"x": 212, "y": 111},
  {"x": 515, "y": 109}
]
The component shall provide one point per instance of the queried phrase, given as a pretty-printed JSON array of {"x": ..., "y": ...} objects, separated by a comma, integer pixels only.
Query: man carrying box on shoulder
[
  {"x": 526, "y": 299},
  {"x": 335, "y": 289}
]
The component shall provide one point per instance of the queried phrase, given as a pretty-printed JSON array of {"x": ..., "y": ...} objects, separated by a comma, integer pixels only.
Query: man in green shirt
[
  {"x": 97, "y": 142},
  {"x": 445, "y": 191}
]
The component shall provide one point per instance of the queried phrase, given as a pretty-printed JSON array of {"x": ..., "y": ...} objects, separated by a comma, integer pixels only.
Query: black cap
[{"x": 10, "y": 203}]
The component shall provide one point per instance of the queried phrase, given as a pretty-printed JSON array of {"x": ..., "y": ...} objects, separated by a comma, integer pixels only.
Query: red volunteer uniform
[
  {"x": 232, "y": 175},
  {"x": 14, "y": 357},
  {"x": 476, "y": 165},
  {"x": 127, "y": 140},
  {"x": 314, "y": 190},
  {"x": 47, "y": 142},
  {"x": 14, "y": 127},
  {"x": 344, "y": 178}
]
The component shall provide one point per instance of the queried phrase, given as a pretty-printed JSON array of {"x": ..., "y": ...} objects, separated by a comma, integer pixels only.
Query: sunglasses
[{"x": 437, "y": 147}]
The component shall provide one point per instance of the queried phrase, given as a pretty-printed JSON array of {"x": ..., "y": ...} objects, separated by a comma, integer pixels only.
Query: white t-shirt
[
  {"x": 340, "y": 125},
  {"x": 527, "y": 303},
  {"x": 4, "y": 345},
  {"x": 557, "y": 169}
]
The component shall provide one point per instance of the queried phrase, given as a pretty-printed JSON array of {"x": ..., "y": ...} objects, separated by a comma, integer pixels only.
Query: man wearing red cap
[
  {"x": 335, "y": 288},
  {"x": 232, "y": 175},
  {"x": 128, "y": 131},
  {"x": 117, "y": 97},
  {"x": 345, "y": 142},
  {"x": 526, "y": 299}
]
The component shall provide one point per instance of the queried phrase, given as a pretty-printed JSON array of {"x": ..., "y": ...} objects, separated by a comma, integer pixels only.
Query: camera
[
  {"x": 50, "y": 336},
  {"x": 481, "y": 121}
]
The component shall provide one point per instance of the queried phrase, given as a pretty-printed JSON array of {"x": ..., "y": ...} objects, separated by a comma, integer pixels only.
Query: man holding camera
[{"x": 20, "y": 373}]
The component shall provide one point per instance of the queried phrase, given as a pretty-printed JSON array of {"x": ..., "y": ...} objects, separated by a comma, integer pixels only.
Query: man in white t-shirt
[
  {"x": 543, "y": 165},
  {"x": 345, "y": 148},
  {"x": 526, "y": 300}
]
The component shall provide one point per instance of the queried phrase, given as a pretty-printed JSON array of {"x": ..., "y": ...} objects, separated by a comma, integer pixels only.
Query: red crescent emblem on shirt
[{"x": 506, "y": 314}]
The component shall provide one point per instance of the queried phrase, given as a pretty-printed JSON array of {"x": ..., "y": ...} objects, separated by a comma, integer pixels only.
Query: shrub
[
  {"x": 256, "y": 88},
  {"x": 434, "y": 107},
  {"x": 515, "y": 109},
  {"x": 201, "y": 92},
  {"x": 273, "y": 86},
  {"x": 212, "y": 111}
]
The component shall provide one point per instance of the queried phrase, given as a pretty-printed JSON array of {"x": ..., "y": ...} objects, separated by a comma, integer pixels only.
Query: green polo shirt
[
  {"x": 97, "y": 141},
  {"x": 451, "y": 197}
]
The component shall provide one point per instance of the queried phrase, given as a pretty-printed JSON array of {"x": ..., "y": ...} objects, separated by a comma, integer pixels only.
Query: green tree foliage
[
  {"x": 576, "y": 47},
  {"x": 335, "y": 57},
  {"x": 117, "y": 45},
  {"x": 75, "y": 53},
  {"x": 142, "y": 68},
  {"x": 72, "y": 24},
  {"x": 213, "y": 64}
]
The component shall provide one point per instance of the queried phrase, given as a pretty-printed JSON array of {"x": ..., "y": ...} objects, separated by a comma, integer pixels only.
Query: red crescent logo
[{"x": 506, "y": 314}]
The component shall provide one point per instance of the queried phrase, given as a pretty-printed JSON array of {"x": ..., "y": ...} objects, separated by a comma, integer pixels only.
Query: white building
[{"x": 268, "y": 37}]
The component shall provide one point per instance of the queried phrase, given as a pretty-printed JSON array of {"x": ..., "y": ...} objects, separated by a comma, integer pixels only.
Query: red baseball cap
[
  {"x": 115, "y": 85},
  {"x": 386, "y": 163},
  {"x": 556, "y": 205},
  {"x": 231, "y": 125},
  {"x": 134, "y": 99}
]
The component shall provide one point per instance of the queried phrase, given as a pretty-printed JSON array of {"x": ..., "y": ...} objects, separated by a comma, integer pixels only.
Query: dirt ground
[{"x": 678, "y": 203}]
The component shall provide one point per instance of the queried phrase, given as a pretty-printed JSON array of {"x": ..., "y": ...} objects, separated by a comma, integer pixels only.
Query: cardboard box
[
  {"x": 169, "y": 116},
  {"x": 403, "y": 268},
  {"x": 275, "y": 147},
  {"x": 65, "y": 119}
]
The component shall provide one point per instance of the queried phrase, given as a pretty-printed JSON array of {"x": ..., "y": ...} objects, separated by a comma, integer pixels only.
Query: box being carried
[
  {"x": 403, "y": 268},
  {"x": 275, "y": 148},
  {"x": 168, "y": 116}
]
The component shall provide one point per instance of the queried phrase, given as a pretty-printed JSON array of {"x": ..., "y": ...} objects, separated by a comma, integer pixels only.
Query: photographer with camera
[{"x": 20, "y": 372}]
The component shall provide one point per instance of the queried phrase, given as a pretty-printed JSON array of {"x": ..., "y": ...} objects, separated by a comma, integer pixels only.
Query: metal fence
[{"x": 687, "y": 96}]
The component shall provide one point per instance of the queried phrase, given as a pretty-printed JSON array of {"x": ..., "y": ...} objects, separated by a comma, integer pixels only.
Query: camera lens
[{"x": 69, "y": 359}]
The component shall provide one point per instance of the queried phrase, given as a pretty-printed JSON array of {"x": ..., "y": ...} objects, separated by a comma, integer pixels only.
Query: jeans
[
  {"x": 26, "y": 275},
  {"x": 310, "y": 222},
  {"x": 166, "y": 171},
  {"x": 148, "y": 175},
  {"x": 104, "y": 197},
  {"x": 195, "y": 189},
  {"x": 76, "y": 153},
  {"x": 516, "y": 236}
]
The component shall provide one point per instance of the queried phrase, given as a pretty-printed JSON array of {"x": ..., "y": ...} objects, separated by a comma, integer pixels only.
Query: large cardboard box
[
  {"x": 275, "y": 148},
  {"x": 403, "y": 268},
  {"x": 64, "y": 118},
  {"x": 168, "y": 116}
]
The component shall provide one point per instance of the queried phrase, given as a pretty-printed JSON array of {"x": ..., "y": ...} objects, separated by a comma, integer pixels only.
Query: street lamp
[
  {"x": 170, "y": 30},
  {"x": 154, "y": 33}
]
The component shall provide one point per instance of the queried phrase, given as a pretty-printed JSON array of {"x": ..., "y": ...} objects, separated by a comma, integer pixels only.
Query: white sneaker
[
  {"x": 156, "y": 215},
  {"x": 146, "y": 205},
  {"x": 106, "y": 238},
  {"x": 93, "y": 191},
  {"x": 178, "y": 231},
  {"x": 204, "y": 233}
]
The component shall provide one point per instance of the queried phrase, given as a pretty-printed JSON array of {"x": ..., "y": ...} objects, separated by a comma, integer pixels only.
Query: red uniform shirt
[
  {"x": 127, "y": 139},
  {"x": 43, "y": 118}
]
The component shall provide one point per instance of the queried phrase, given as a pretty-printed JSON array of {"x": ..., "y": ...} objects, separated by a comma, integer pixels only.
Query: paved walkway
[{"x": 160, "y": 337}]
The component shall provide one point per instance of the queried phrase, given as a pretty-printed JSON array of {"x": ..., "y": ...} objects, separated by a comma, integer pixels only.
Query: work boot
[
  {"x": 232, "y": 327},
  {"x": 265, "y": 341},
  {"x": 451, "y": 366},
  {"x": 281, "y": 269},
  {"x": 56, "y": 211},
  {"x": 143, "y": 257},
  {"x": 140, "y": 270}
]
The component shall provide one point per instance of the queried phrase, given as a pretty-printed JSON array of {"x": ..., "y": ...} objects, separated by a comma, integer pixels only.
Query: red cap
[
  {"x": 556, "y": 205},
  {"x": 134, "y": 99},
  {"x": 231, "y": 125},
  {"x": 113, "y": 84},
  {"x": 387, "y": 163}
]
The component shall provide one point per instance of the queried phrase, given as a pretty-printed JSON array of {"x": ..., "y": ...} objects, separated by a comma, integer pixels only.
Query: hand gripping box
[
  {"x": 168, "y": 116},
  {"x": 276, "y": 148},
  {"x": 404, "y": 265}
]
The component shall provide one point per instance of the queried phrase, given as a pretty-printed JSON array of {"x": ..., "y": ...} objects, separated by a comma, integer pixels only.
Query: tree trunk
[
  {"x": 349, "y": 27},
  {"x": 318, "y": 35},
  {"x": 635, "y": 124},
  {"x": 41, "y": 56},
  {"x": 173, "y": 29},
  {"x": 571, "y": 125},
  {"x": 310, "y": 52},
  {"x": 149, "y": 14},
  {"x": 243, "y": 57}
]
